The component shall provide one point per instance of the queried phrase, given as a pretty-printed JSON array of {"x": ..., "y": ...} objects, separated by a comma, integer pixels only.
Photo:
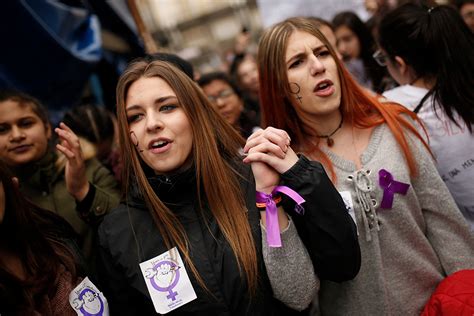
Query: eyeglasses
[
  {"x": 221, "y": 95},
  {"x": 380, "y": 58}
]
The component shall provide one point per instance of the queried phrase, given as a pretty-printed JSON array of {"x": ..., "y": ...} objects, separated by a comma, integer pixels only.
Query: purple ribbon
[
  {"x": 390, "y": 187},
  {"x": 273, "y": 228}
]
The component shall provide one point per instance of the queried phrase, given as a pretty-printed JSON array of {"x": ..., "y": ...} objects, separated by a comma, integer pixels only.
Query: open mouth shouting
[{"x": 324, "y": 88}]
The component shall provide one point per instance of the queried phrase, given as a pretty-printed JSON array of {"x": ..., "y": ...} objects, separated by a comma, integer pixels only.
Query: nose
[
  {"x": 16, "y": 134},
  {"x": 220, "y": 103},
  {"x": 316, "y": 66},
  {"x": 154, "y": 122}
]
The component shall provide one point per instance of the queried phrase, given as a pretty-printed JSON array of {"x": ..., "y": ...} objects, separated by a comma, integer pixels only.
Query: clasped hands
[{"x": 269, "y": 153}]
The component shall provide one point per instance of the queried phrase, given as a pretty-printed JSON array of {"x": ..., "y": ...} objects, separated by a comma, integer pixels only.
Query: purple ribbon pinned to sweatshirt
[
  {"x": 390, "y": 187},
  {"x": 273, "y": 227}
]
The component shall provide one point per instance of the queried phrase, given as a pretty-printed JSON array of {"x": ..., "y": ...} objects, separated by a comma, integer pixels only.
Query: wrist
[
  {"x": 266, "y": 190},
  {"x": 81, "y": 194},
  {"x": 261, "y": 206}
]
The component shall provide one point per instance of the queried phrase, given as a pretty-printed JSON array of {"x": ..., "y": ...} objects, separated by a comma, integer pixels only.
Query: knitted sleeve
[{"x": 290, "y": 270}]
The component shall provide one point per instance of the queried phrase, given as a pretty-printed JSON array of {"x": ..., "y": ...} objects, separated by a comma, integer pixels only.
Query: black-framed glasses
[
  {"x": 380, "y": 58},
  {"x": 221, "y": 95}
]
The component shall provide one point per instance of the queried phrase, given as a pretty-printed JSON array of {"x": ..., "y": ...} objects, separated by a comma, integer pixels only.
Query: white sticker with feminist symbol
[
  {"x": 87, "y": 300},
  {"x": 167, "y": 281}
]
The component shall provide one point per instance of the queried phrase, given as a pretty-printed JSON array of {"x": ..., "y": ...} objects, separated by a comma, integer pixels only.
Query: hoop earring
[{"x": 297, "y": 90}]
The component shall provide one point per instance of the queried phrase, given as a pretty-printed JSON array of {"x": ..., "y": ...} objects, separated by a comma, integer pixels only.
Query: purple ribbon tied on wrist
[
  {"x": 273, "y": 227},
  {"x": 390, "y": 187}
]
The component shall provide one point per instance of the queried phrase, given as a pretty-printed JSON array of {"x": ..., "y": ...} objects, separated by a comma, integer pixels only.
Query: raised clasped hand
[{"x": 269, "y": 153}]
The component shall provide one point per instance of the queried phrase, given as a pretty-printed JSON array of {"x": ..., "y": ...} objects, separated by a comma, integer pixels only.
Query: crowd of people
[{"x": 330, "y": 173}]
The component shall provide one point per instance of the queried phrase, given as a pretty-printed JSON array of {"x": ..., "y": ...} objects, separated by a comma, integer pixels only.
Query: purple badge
[{"x": 390, "y": 187}]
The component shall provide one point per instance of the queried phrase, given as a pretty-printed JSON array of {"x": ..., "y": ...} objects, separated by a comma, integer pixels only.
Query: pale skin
[
  {"x": 270, "y": 155},
  {"x": 75, "y": 173},
  {"x": 308, "y": 63}
]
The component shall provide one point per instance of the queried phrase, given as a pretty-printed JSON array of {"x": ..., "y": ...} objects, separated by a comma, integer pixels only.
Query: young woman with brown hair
[
  {"x": 411, "y": 233},
  {"x": 188, "y": 194}
]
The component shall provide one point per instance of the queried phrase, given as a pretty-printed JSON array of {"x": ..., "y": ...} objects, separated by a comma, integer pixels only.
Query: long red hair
[{"x": 358, "y": 107}]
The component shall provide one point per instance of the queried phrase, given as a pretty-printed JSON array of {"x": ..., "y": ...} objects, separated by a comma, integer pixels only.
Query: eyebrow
[
  {"x": 157, "y": 101},
  {"x": 302, "y": 54},
  {"x": 27, "y": 117}
]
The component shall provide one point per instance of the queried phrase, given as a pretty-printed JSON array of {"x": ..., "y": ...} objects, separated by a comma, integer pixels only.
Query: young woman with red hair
[{"x": 411, "y": 233}]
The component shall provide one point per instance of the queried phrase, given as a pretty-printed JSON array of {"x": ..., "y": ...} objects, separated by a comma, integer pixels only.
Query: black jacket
[{"x": 128, "y": 236}]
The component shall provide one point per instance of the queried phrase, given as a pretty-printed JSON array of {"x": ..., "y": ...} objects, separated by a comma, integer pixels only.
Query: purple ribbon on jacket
[
  {"x": 390, "y": 187},
  {"x": 273, "y": 227}
]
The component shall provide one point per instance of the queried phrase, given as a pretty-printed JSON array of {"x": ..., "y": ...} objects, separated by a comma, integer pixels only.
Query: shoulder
[{"x": 406, "y": 95}]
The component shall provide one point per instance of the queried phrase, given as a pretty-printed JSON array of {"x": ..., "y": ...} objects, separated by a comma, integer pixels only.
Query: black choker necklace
[{"x": 329, "y": 140}]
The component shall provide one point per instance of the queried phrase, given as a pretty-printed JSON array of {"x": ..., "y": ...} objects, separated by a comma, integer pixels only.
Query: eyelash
[
  {"x": 164, "y": 108},
  {"x": 133, "y": 118},
  {"x": 168, "y": 107},
  {"x": 323, "y": 53}
]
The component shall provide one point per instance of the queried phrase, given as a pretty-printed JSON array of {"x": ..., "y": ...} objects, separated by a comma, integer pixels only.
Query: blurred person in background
[
  {"x": 429, "y": 51},
  {"x": 244, "y": 72},
  {"x": 78, "y": 188},
  {"x": 227, "y": 99},
  {"x": 356, "y": 45},
  {"x": 466, "y": 9}
]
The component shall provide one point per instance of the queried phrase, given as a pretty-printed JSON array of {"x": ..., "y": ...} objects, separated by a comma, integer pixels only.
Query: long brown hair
[
  {"x": 358, "y": 107},
  {"x": 215, "y": 145},
  {"x": 36, "y": 237}
]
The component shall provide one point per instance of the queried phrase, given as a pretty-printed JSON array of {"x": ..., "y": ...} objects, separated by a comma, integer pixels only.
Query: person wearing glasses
[
  {"x": 226, "y": 97},
  {"x": 429, "y": 51}
]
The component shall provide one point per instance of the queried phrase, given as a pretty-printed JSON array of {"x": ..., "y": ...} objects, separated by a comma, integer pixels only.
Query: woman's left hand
[
  {"x": 75, "y": 173},
  {"x": 270, "y": 155}
]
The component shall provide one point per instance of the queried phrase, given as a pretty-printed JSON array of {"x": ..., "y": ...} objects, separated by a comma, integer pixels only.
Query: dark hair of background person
[
  {"x": 92, "y": 122},
  {"x": 319, "y": 21},
  {"x": 179, "y": 62},
  {"x": 438, "y": 45},
  {"x": 37, "y": 238},
  {"x": 375, "y": 72},
  {"x": 234, "y": 66},
  {"x": 24, "y": 99},
  {"x": 459, "y": 3}
]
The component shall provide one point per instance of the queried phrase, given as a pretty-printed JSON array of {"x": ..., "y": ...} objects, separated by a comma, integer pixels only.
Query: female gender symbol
[{"x": 173, "y": 268}]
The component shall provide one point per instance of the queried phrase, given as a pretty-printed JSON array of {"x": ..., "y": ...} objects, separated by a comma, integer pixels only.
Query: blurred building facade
[{"x": 201, "y": 31}]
